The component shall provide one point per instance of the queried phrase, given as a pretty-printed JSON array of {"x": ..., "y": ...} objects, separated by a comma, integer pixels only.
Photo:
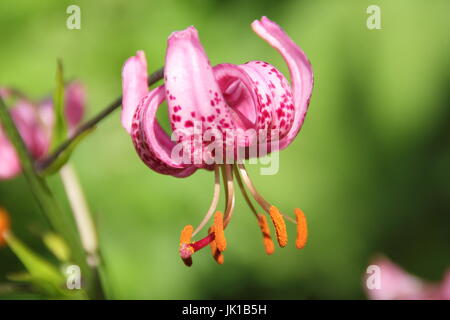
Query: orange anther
[
  {"x": 267, "y": 240},
  {"x": 302, "y": 229},
  {"x": 4, "y": 225},
  {"x": 216, "y": 253},
  {"x": 219, "y": 235},
  {"x": 280, "y": 226},
  {"x": 186, "y": 249},
  {"x": 186, "y": 234}
]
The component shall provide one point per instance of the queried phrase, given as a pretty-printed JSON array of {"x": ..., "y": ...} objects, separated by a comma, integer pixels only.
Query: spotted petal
[
  {"x": 193, "y": 95},
  {"x": 299, "y": 68},
  {"x": 152, "y": 144}
]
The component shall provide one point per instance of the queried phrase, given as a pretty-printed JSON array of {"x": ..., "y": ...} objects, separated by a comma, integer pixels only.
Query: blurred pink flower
[
  {"x": 35, "y": 124},
  {"x": 397, "y": 284}
]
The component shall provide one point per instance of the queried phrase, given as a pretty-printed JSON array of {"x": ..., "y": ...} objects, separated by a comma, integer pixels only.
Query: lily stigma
[{"x": 242, "y": 111}]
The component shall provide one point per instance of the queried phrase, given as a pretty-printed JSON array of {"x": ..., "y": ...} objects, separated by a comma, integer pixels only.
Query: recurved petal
[
  {"x": 275, "y": 96},
  {"x": 299, "y": 68},
  {"x": 152, "y": 143},
  {"x": 193, "y": 95},
  {"x": 134, "y": 87},
  {"x": 75, "y": 101},
  {"x": 241, "y": 95}
]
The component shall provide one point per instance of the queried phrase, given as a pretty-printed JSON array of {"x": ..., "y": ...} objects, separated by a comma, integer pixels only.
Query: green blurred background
[{"x": 370, "y": 168}]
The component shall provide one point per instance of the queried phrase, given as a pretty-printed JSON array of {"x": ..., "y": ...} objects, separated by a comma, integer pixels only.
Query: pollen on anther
[
  {"x": 267, "y": 239},
  {"x": 216, "y": 253},
  {"x": 302, "y": 229},
  {"x": 280, "y": 226},
  {"x": 186, "y": 250},
  {"x": 219, "y": 236},
  {"x": 186, "y": 234}
]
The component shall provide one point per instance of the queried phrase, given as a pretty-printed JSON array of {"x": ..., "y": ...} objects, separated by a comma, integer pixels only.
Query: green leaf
[
  {"x": 19, "y": 277},
  {"x": 38, "y": 267},
  {"x": 41, "y": 273},
  {"x": 57, "y": 246},
  {"x": 65, "y": 154},
  {"x": 59, "y": 133}
]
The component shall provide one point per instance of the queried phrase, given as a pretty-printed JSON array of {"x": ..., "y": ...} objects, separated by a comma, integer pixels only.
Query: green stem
[{"x": 61, "y": 221}]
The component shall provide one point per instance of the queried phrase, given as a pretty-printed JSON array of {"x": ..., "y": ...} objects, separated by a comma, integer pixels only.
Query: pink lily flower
[
  {"x": 35, "y": 123},
  {"x": 397, "y": 284},
  {"x": 236, "y": 104}
]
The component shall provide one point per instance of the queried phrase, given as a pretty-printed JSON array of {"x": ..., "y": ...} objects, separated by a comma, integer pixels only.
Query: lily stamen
[
  {"x": 214, "y": 202},
  {"x": 267, "y": 239},
  {"x": 276, "y": 216},
  {"x": 219, "y": 238},
  {"x": 186, "y": 249},
  {"x": 280, "y": 226},
  {"x": 302, "y": 229},
  {"x": 4, "y": 226},
  {"x": 229, "y": 193},
  {"x": 216, "y": 253},
  {"x": 216, "y": 238},
  {"x": 261, "y": 201},
  {"x": 244, "y": 192},
  {"x": 256, "y": 195},
  {"x": 262, "y": 221}
]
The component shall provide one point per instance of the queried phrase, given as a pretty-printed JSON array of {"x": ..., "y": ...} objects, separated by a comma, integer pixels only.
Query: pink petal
[
  {"x": 152, "y": 144},
  {"x": 241, "y": 96},
  {"x": 193, "y": 95},
  {"x": 445, "y": 287},
  {"x": 274, "y": 93},
  {"x": 9, "y": 161},
  {"x": 299, "y": 68},
  {"x": 396, "y": 283},
  {"x": 75, "y": 100},
  {"x": 28, "y": 122},
  {"x": 134, "y": 87},
  {"x": 32, "y": 131},
  {"x": 5, "y": 92},
  {"x": 47, "y": 114}
]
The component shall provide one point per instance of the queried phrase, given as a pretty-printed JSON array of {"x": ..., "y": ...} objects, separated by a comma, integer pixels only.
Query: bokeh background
[{"x": 370, "y": 168}]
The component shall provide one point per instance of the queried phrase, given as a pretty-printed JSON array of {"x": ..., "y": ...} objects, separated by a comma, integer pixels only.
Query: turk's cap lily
[
  {"x": 227, "y": 100},
  {"x": 235, "y": 105},
  {"x": 35, "y": 123},
  {"x": 397, "y": 284}
]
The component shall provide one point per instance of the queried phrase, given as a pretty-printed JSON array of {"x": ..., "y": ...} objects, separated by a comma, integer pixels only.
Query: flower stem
[
  {"x": 47, "y": 161},
  {"x": 61, "y": 221},
  {"x": 81, "y": 213}
]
